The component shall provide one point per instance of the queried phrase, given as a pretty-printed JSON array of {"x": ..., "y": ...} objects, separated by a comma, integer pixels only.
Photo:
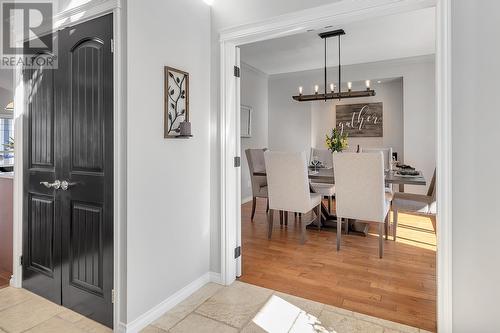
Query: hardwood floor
[
  {"x": 4, "y": 278},
  {"x": 401, "y": 287}
]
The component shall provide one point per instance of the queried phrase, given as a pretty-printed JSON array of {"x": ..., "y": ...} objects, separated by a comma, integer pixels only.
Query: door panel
[
  {"x": 87, "y": 206},
  {"x": 41, "y": 226},
  {"x": 68, "y": 232}
]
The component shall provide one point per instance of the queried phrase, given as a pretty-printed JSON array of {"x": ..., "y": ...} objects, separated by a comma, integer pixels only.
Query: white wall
[
  {"x": 168, "y": 233},
  {"x": 254, "y": 89},
  {"x": 298, "y": 126},
  {"x": 476, "y": 138}
]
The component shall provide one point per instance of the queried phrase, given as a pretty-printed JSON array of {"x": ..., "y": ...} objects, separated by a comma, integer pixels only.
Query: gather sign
[{"x": 360, "y": 120}]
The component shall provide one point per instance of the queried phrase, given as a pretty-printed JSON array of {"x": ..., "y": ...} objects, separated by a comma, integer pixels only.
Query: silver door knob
[
  {"x": 55, "y": 185},
  {"x": 65, "y": 185}
]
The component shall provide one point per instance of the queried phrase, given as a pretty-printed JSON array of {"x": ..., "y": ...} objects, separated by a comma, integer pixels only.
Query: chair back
[
  {"x": 256, "y": 163},
  {"x": 359, "y": 186},
  {"x": 386, "y": 151},
  {"x": 431, "y": 192},
  {"x": 323, "y": 155},
  {"x": 287, "y": 181}
]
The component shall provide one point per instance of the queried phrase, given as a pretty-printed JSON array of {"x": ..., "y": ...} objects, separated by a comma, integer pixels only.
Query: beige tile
[
  {"x": 424, "y": 331},
  {"x": 339, "y": 323},
  {"x": 386, "y": 323},
  {"x": 390, "y": 330},
  {"x": 310, "y": 307},
  {"x": 55, "y": 324},
  {"x": 70, "y": 316},
  {"x": 27, "y": 314},
  {"x": 276, "y": 315},
  {"x": 200, "y": 324},
  {"x": 10, "y": 296},
  {"x": 90, "y": 326},
  {"x": 341, "y": 311},
  {"x": 153, "y": 329},
  {"x": 187, "y": 306},
  {"x": 307, "y": 323},
  {"x": 252, "y": 327},
  {"x": 236, "y": 304}
]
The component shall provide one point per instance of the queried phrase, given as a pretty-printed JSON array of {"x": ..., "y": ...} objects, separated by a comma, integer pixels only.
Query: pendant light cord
[{"x": 340, "y": 72}]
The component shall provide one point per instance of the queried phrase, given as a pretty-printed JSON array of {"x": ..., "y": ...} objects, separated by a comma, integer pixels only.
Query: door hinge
[
  {"x": 236, "y": 71},
  {"x": 237, "y": 161},
  {"x": 237, "y": 252},
  {"x": 113, "y": 297},
  {"x": 21, "y": 260},
  {"x": 112, "y": 45}
]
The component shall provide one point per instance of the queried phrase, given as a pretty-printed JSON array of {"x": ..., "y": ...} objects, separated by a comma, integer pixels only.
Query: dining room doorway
[{"x": 288, "y": 236}]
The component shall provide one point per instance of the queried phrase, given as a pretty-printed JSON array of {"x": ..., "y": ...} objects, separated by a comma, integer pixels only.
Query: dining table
[{"x": 326, "y": 175}]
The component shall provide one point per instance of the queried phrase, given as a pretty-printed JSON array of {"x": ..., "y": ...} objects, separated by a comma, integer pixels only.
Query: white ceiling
[{"x": 390, "y": 37}]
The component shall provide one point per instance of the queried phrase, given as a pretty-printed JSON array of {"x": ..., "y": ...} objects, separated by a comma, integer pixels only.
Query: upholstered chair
[
  {"x": 360, "y": 193},
  {"x": 256, "y": 163},
  {"x": 386, "y": 151},
  {"x": 325, "y": 189},
  {"x": 416, "y": 204},
  {"x": 288, "y": 187}
]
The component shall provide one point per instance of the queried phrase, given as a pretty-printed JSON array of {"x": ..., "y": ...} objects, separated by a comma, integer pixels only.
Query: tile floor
[
  {"x": 240, "y": 307},
  {"x": 23, "y": 311},
  {"x": 247, "y": 308}
]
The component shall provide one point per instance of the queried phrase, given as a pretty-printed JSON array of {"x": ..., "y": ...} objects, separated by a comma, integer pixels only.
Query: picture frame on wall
[
  {"x": 246, "y": 121},
  {"x": 360, "y": 120},
  {"x": 176, "y": 99}
]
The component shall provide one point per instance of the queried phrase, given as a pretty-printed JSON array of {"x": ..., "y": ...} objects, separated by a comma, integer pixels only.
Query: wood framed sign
[
  {"x": 176, "y": 98},
  {"x": 360, "y": 120}
]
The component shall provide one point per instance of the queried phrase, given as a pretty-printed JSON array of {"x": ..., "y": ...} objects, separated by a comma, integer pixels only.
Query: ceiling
[{"x": 383, "y": 38}]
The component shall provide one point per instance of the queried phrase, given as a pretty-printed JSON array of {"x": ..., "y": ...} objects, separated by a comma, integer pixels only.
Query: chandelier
[{"x": 334, "y": 93}]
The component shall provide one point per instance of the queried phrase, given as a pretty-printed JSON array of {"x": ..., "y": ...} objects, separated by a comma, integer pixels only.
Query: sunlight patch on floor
[{"x": 278, "y": 315}]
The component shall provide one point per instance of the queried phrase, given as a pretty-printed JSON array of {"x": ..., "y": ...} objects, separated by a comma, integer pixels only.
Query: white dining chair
[
  {"x": 387, "y": 151},
  {"x": 256, "y": 163},
  {"x": 415, "y": 204},
  {"x": 288, "y": 187},
  {"x": 360, "y": 193},
  {"x": 325, "y": 189}
]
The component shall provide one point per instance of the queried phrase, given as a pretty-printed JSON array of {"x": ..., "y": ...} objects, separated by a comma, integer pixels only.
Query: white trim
[
  {"x": 156, "y": 312},
  {"x": 341, "y": 13},
  {"x": 250, "y": 68},
  {"x": 444, "y": 163},
  {"x": 80, "y": 14},
  {"x": 215, "y": 277}
]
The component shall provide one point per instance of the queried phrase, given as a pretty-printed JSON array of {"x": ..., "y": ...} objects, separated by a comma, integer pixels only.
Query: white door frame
[
  {"x": 73, "y": 16},
  {"x": 316, "y": 18}
]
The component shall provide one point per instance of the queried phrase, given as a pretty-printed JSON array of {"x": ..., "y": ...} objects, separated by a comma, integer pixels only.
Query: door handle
[
  {"x": 55, "y": 185},
  {"x": 65, "y": 185}
]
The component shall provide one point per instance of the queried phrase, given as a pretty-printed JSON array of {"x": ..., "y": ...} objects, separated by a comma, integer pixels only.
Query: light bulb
[
  {"x": 349, "y": 85},
  {"x": 367, "y": 83},
  {"x": 316, "y": 88},
  {"x": 300, "y": 90},
  {"x": 332, "y": 87}
]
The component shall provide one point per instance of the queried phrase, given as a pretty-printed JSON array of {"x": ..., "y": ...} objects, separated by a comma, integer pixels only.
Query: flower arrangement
[{"x": 336, "y": 141}]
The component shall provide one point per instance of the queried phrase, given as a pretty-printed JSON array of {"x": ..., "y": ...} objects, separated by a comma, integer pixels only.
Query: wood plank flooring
[{"x": 401, "y": 287}]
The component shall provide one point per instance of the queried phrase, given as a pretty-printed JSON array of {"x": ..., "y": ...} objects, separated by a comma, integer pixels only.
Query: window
[{"x": 6, "y": 138}]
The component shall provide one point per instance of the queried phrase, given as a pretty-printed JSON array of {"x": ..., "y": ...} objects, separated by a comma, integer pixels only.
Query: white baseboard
[
  {"x": 156, "y": 312},
  {"x": 245, "y": 200},
  {"x": 215, "y": 277}
]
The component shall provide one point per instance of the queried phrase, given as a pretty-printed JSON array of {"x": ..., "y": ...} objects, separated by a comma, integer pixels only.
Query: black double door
[{"x": 68, "y": 173}]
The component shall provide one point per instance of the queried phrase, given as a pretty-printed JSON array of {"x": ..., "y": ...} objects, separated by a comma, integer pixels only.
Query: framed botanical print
[{"x": 176, "y": 95}]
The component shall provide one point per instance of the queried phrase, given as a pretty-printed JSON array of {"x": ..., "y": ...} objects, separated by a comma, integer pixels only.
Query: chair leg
[
  {"x": 295, "y": 214},
  {"x": 394, "y": 224},
  {"x": 254, "y": 203},
  {"x": 339, "y": 231},
  {"x": 386, "y": 226},
  {"x": 433, "y": 220},
  {"x": 281, "y": 217},
  {"x": 303, "y": 233},
  {"x": 267, "y": 208},
  {"x": 380, "y": 240},
  {"x": 317, "y": 211},
  {"x": 346, "y": 222},
  {"x": 286, "y": 217},
  {"x": 270, "y": 223},
  {"x": 330, "y": 205}
]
